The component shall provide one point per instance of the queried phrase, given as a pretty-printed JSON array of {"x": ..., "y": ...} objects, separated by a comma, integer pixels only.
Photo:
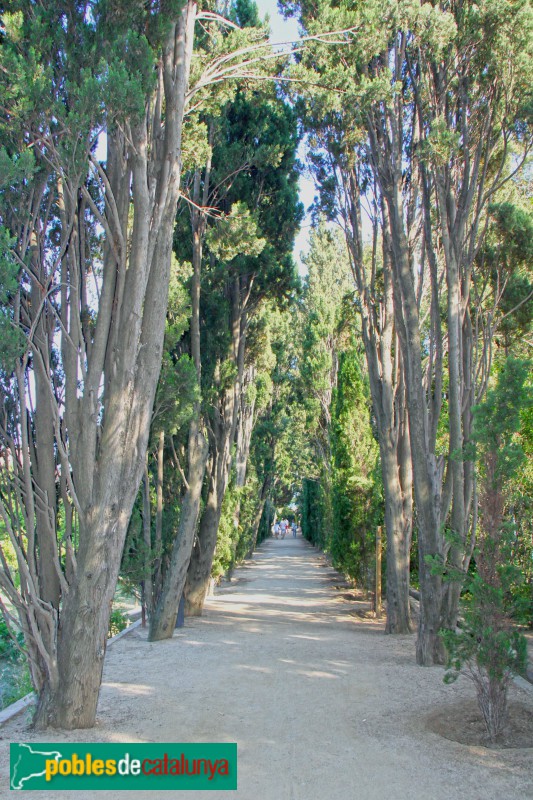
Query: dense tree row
[
  {"x": 86, "y": 261},
  {"x": 420, "y": 126},
  {"x": 168, "y": 384}
]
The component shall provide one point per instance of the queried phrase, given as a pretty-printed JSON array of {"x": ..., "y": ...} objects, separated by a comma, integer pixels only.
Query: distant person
[
  {"x": 294, "y": 529},
  {"x": 283, "y": 527},
  {"x": 276, "y": 530}
]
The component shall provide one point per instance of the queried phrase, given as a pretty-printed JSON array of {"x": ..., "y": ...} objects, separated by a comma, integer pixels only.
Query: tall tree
[
  {"x": 88, "y": 243},
  {"x": 250, "y": 248},
  {"x": 337, "y": 409},
  {"x": 127, "y": 68},
  {"x": 433, "y": 96}
]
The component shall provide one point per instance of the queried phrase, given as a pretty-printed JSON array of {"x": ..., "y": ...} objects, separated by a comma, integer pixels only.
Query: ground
[{"x": 322, "y": 705}]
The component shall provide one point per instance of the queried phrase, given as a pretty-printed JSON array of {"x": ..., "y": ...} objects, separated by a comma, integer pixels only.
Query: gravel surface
[{"x": 322, "y": 705}]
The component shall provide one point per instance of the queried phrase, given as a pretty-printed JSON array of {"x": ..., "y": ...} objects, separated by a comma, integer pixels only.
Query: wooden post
[{"x": 377, "y": 597}]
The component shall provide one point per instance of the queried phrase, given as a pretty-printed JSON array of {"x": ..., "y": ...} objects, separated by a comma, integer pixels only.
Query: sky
[{"x": 283, "y": 30}]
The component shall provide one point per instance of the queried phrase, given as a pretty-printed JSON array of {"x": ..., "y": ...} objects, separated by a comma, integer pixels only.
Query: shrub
[
  {"x": 15, "y": 681},
  {"x": 117, "y": 622},
  {"x": 489, "y": 648}
]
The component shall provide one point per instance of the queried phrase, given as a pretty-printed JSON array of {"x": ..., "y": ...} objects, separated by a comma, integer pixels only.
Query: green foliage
[
  {"x": 118, "y": 621},
  {"x": 235, "y": 234},
  {"x": 521, "y": 503},
  {"x": 341, "y": 500},
  {"x": 9, "y": 650},
  {"x": 228, "y": 535},
  {"x": 489, "y": 648},
  {"x": 497, "y": 421},
  {"x": 236, "y": 531},
  {"x": 266, "y": 522},
  {"x": 138, "y": 558},
  {"x": 15, "y": 681},
  {"x": 497, "y": 654},
  {"x": 313, "y": 512},
  {"x": 13, "y": 340},
  {"x": 254, "y": 158},
  {"x": 357, "y": 503},
  {"x": 508, "y": 257}
]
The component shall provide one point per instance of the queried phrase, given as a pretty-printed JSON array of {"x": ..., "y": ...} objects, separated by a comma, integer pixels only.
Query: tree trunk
[
  {"x": 426, "y": 479},
  {"x": 245, "y": 427},
  {"x": 147, "y": 539},
  {"x": 69, "y": 700},
  {"x": 265, "y": 488},
  {"x": 222, "y": 436},
  {"x": 396, "y": 473},
  {"x": 44, "y": 453},
  {"x": 159, "y": 514},
  {"x": 163, "y": 620},
  {"x": 45, "y": 512},
  {"x": 388, "y": 397},
  {"x": 201, "y": 561},
  {"x": 109, "y": 435}
]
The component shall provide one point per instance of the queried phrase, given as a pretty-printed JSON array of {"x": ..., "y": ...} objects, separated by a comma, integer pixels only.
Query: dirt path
[{"x": 322, "y": 705}]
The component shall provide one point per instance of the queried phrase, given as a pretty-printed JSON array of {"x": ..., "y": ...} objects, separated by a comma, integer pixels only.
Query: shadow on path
[{"x": 322, "y": 705}]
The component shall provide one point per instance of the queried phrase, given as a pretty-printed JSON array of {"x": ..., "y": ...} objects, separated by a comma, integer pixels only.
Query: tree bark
[
  {"x": 147, "y": 539},
  {"x": 265, "y": 489},
  {"x": 109, "y": 436},
  {"x": 221, "y": 438},
  {"x": 159, "y": 514},
  {"x": 245, "y": 427},
  {"x": 163, "y": 620},
  {"x": 426, "y": 479},
  {"x": 45, "y": 461},
  {"x": 389, "y": 401},
  {"x": 397, "y": 483},
  {"x": 199, "y": 572}
]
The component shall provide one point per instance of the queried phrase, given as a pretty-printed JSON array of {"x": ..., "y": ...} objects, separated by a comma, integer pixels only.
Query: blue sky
[{"x": 282, "y": 29}]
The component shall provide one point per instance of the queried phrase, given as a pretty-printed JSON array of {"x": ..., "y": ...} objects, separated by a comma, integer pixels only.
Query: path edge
[{"x": 19, "y": 706}]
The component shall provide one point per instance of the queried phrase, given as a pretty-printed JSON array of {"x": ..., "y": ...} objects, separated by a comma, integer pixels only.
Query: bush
[
  {"x": 8, "y": 648},
  {"x": 489, "y": 649},
  {"x": 15, "y": 681},
  {"x": 118, "y": 621}
]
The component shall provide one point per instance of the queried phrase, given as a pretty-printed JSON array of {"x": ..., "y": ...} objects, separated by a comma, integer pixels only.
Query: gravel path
[{"x": 322, "y": 705}]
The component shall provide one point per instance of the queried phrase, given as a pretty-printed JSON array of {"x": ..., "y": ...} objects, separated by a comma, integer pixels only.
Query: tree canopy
[{"x": 171, "y": 385}]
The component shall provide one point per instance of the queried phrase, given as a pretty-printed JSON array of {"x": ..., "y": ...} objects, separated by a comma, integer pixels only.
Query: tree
[
  {"x": 356, "y": 499},
  {"x": 94, "y": 392},
  {"x": 434, "y": 99},
  {"x": 86, "y": 252},
  {"x": 488, "y": 648},
  {"x": 349, "y": 195},
  {"x": 250, "y": 246},
  {"x": 163, "y": 492},
  {"x": 339, "y": 503}
]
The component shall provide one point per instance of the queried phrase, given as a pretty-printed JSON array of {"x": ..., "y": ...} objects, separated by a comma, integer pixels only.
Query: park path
[{"x": 322, "y": 705}]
